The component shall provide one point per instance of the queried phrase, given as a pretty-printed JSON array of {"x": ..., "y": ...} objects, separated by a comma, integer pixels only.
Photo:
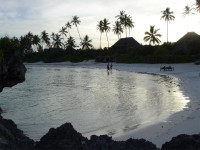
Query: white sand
[
  {"x": 183, "y": 122},
  {"x": 186, "y": 121}
]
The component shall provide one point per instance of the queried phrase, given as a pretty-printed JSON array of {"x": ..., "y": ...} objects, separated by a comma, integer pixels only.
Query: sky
[{"x": 18, "y": 17}]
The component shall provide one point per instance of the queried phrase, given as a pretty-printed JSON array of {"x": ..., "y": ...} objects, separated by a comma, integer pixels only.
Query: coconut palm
[
  {"x": 106, "y": 28},
  {"x": 121, "y": 15},
  {"x": 75, "y": 21},
  {"x": 36, "y": 41},
  {"x": 57, "y": 41},
  {"x": 130, "y": 23},
  {"x": 45, "y": 38},
  {"x": 70, "y": 43},
  {"x": 152, "y": 36},
  {"x": 117, "y": 29},
  {"x": 100, "y": 28},
  {"x": 86, "y": 43},
  {"x": 68, "y": 26},
  {"x": 63, "y": 31},
  {"x": 167, "y": 15},
  {"x": 188, "y": 11}
]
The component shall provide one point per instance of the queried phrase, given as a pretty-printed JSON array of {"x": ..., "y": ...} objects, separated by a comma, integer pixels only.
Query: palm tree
[
  {"x": 106, "y": 28},
  {"x": 75, "y": 21},
  {"x": 68, "y": 26},
  {"x": 36, "y": 41},
  {"x": 152, "y": 36},
  {"x": 188, "y": 11},
  {"x": 63, "y": 31},
  {"x": 86, "y": 43},
  {"x": 57, "y": 41},
  {"x": 45, "y": 38},
  {"x": 167, "y": 15},
  {"x": 130, "y": 23},
  {"x": 117, "y": 29},
  {"x": 121, "y": 17},
  {"x": 70, "y": 43},
  {"x": 100, "y": 28}
]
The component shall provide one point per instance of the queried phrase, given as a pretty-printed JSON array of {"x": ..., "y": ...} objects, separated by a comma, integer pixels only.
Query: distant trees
[
  {"x": 168, "y": 16},
  {"x": 152, "y": 36}
]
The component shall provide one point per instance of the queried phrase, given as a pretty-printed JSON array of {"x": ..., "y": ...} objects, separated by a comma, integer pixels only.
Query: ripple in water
[{"x": 93, "y": 101}]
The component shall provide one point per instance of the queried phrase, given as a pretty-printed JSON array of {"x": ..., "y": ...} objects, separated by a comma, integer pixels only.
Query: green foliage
[{"x": 7, "y": 45}]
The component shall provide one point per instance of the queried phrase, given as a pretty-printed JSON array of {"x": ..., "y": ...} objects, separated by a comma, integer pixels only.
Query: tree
[
  {"x": 100, "y": 28},
  {"x": 75, "y": 21},
  {"x": 117, "y": 29},
  {"x": 126, "y": 21},
  {"x": 70, "y": 44},
  {"x": 152, "y": 36},
  {"x": 130, "y": 23},
  {"x": 68, "y": 26},
  {"x": 106, "y": 28},
  {"x": 36, "y": 41},
  {"x": 86, "y": 43},
  {"x": 63, "y": 31},
  {"x": 57, "y": 41},
  {"x": 121, "y": 17},
  {"x": 188, "y": 11},
  {"x": 45, "y": 38},
  {"x": 167, "y": 15}
]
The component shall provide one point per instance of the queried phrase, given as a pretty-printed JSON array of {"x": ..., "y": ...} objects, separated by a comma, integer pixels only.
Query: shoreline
[{"x": 186, "y": 121}]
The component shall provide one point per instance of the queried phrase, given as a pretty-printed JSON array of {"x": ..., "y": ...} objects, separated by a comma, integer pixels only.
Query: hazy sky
[{"x": 18, "y": 17}]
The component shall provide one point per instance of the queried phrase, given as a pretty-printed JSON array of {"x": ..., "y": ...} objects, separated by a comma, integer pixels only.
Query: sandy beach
[{"x": 186, "y": 121}]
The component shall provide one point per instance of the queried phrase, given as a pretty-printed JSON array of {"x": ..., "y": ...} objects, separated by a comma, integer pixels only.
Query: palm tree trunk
[
  {"x": 79, "y": 33},
  {"x": 107, "y": 39},
  {"x": 100, "y": 40},
  {"x": 167, "y": 31},
  {"x": 68, "y": 32}
]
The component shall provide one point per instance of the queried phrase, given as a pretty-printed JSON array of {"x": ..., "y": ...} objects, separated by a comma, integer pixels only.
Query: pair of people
[{"x": 109, "y": 67}]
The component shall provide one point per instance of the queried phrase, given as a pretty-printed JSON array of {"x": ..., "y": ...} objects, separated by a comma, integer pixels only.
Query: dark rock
[
  {"x": 66, "y": 137},
  {"x": 183, "y": 142},
  {"x": 12, "y": 70},
  {"x": 62, "y": 138},
  {"x": 11, "y": 138}
]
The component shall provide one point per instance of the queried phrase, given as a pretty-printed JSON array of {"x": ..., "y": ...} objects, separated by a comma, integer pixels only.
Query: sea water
[{"x": 93, "y": 100}]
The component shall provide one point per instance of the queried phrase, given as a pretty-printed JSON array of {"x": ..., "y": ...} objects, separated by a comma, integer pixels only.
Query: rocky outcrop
[
  {"x": 66, "y": 137},
  {"x": 183, "y": 142},
  {"x": 12, "y": 70},
  {"x": 11, "y": 138}
]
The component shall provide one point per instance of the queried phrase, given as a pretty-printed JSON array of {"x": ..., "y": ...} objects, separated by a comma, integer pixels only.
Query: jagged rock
[
  {"x": 66, "y": 137},
  {"x": 62, "y": 138},
  {"x": 11, "y": 138},
  {"x": 12, "y": 70},
  {"x": 183, "y": 142}
]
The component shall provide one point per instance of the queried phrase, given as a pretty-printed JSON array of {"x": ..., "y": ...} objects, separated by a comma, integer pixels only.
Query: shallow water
[{"x": 94, "y": 101}]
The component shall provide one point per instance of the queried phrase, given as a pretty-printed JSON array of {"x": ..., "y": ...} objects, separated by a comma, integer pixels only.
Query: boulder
[{"x": 183, "y": 142}]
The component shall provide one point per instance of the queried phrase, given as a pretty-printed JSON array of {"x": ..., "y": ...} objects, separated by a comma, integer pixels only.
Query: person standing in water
[
  {"x": 108, "y": 67},
  {"x": 111, "y": 66}
]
